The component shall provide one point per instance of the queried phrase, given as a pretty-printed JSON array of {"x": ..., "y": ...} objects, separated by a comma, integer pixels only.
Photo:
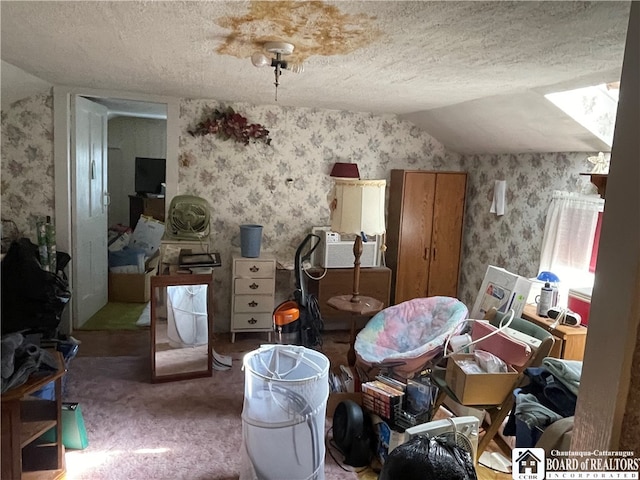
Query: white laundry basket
[
  {"x": 285, "y": 400},
  {"x": 187, "y": 319}
]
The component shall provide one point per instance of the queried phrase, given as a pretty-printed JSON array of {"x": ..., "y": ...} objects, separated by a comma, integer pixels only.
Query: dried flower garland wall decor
[{"x": 227, "y": 123}]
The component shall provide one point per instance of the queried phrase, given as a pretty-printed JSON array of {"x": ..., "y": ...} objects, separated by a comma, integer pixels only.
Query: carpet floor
[
  {"x": 189, "y": 430},
  {"x": 116, "y": 316}
]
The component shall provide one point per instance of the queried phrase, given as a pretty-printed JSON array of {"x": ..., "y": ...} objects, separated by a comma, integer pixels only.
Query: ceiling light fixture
[{"x": 259, "y": 59}]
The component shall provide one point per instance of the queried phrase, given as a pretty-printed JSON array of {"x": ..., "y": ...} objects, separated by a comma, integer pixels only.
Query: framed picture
[{"x": 188, "y": 259}]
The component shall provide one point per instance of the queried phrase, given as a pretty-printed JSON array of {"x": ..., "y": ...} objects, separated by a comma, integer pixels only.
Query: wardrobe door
[
  {"x": 414, "y": 250},
  {"x": 446, "y": 242}
]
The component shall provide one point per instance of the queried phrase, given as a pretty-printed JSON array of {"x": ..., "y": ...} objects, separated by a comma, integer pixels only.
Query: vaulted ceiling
[{"x": 472, "y": 74}]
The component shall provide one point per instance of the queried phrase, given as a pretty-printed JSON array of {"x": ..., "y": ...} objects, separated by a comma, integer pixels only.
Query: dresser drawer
[
  {"x": 253, "y": 303},
  {"x": 251, "y": 321},
  {"x": 255, "y": 268},
  {"x": 254, "y": 286}
]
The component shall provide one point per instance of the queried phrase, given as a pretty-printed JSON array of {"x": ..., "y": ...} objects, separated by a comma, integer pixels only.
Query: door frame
[{"x": 64, "y": 171}]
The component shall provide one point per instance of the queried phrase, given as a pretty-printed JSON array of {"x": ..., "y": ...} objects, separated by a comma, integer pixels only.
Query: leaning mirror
[{"x": 181, "y": 326}]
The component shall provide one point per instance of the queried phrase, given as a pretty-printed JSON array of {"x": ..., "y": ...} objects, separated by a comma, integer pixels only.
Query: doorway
[{"x": 118, "y": 105}]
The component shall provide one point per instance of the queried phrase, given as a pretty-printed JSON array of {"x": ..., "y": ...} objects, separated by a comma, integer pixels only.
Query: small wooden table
[
  {"x": 24, "y": 419},
  {"x": 569, "y": 341},
  {"x": 367, "y": 306}
]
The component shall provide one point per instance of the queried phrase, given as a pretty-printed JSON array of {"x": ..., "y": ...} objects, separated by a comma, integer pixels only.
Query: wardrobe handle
[
  {"x": 426, "y": 253},
  {"x": 433, "y": 255}
]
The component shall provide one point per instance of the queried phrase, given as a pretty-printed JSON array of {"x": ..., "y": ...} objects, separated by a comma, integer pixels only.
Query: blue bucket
[{"x": 250, "y": 240}]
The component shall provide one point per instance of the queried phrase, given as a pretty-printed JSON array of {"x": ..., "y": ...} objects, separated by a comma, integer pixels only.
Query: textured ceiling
[{"x": 471, "y": 73}]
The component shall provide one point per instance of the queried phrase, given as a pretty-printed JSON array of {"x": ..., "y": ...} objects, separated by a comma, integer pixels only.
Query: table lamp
[
  {"x": 358, "y": 208},
  {"x": 345, "y": 170}
]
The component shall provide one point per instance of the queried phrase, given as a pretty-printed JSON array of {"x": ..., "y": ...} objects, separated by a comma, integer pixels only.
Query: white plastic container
[
  {"x": 187, "y": 318},
  {"x": 283, "y": 417}
]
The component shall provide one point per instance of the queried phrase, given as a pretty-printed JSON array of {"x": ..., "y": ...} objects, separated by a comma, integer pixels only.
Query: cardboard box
[
  {"x": 503, "y": 290},
  {"x": 347, "y": 393},
  {"x": 119, "y": 242},
  {"x": 147, "y": 235},
  {"x": 130, "y": 287},
  {"x": 478, "y": 388}
]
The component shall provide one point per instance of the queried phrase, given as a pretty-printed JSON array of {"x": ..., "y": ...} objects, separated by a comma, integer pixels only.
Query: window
[
  {"x": 592, "y": 107},
  {"x": 571, "y": 236}
]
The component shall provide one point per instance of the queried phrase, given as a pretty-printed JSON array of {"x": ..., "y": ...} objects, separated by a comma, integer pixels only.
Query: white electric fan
[
  {"x": 188, "y": 218},
  {"x": 461, "y": 431}
]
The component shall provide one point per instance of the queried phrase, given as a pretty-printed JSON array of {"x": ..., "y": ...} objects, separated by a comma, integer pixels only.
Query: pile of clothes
[
  {"x": 21, "y": 359},
  {"x": 551, "y": 395}
]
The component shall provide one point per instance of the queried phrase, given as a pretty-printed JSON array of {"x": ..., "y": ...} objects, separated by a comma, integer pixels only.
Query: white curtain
[{"x": 568, "y": 237}]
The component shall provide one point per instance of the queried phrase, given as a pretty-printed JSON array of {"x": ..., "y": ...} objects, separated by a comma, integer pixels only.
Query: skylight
[{"x": 594, "y": 108}]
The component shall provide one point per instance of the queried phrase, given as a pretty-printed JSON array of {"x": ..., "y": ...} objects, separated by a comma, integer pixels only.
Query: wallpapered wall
[
  {"x": 247, "y": 184},
  {"x": 512, "y": 241},
  {"x": 27, "y": 162}
]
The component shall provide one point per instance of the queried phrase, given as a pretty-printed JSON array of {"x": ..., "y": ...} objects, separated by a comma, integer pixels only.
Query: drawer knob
[
  {"x": 253, "y": 286},
  {"x": 252, "y": 321},
  {"x": 253, "y": 303},
  {"x": 254, "y": 268}
]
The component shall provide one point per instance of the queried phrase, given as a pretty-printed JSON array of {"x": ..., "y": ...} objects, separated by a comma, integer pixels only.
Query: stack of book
[{"x": 384, "y": 397}]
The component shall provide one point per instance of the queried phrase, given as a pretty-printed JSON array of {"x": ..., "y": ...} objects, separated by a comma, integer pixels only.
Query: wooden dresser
[
  {"x": 151, "y": 207},
  {"x": 253, "y": 294},
  {"x": 570, "y": 341}
]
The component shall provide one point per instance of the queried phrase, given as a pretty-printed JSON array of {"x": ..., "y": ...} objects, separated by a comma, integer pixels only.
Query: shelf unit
[
  {"x": 24, "y": 419},
  {"x": 600, "y": 181}
]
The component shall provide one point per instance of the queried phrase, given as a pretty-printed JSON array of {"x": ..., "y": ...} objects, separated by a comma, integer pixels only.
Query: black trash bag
[
  {"x": 32, "y": 299},
  {"x": 424, "y": 458}
]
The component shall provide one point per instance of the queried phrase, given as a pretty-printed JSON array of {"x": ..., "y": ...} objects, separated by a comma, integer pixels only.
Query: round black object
[
  {"x": 352, "y": 433},
  {"x": 347, "y": 423}
]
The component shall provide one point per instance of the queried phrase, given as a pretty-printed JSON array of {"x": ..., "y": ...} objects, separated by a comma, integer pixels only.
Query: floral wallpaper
[
  {"x": 512, "y": 241},
  {"x": 249, "y": 184},
  {"x": 27, "y": 163}
]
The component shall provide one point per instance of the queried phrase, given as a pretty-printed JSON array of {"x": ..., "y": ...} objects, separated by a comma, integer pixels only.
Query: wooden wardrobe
[{"x": 424, "y": 233}]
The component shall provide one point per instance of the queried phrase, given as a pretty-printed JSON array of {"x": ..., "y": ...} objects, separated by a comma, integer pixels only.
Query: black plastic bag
[
  {"x": 424, "y": 458},
  {"x": 32, "y": 299}
]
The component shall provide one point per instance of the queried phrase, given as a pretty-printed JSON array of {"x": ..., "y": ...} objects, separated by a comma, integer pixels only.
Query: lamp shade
[
  {"x": 548, "y": 277},
  {"x": 358, "y": 206},
  {"x": 345, "y": 170}
]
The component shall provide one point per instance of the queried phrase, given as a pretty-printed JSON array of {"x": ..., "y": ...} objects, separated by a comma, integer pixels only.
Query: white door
[{"x": 89, "y": 209}]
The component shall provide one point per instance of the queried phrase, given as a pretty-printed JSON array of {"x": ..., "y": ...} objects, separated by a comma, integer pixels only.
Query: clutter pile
[
  {"x": 133, "y": 259},
  {"x": 22, "y": 358},
  {"x": 550, "y": 396},
  {"x": 33, "y": 298}
]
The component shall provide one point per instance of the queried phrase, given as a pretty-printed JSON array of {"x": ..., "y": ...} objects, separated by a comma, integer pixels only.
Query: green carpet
[{"x": 116, "y": 316}]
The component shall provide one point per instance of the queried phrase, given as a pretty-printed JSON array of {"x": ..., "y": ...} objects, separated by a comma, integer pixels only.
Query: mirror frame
[{"x": 161, "y": 282}]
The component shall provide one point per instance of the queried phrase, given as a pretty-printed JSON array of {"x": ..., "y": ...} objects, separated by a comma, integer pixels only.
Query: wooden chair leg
[
  {"x": 496, "y": 422},
  {"x": 438, "y": 403},
  {"x": 504, "y": 446}
]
